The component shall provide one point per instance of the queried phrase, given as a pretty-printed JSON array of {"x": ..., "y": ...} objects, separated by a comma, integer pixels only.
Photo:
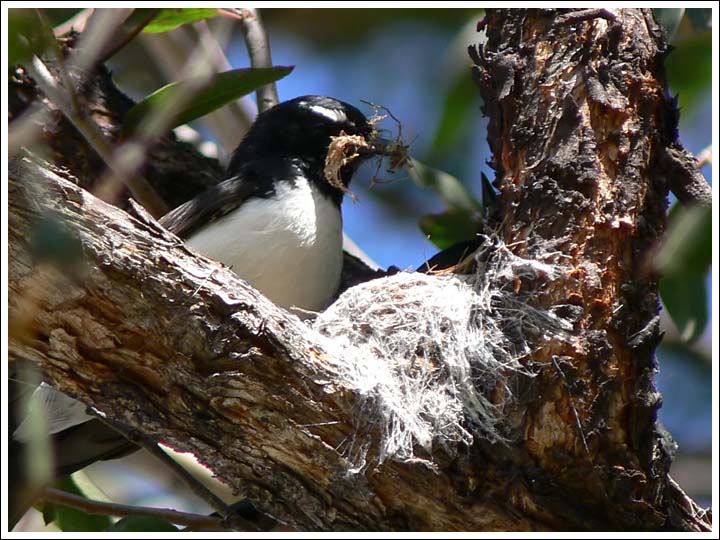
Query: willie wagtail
[{"x": 276, "y": 218}]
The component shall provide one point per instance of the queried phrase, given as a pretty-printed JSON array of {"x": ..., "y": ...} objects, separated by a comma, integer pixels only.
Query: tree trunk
[
  {"x": 178, "y": 348},
  {"x": 579, "y": 121}
]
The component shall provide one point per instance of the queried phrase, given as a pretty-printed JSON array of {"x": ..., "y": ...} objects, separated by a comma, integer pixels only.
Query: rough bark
[
  {"x": 580, "y": 122},
  {"x": 178, "y": 348}
]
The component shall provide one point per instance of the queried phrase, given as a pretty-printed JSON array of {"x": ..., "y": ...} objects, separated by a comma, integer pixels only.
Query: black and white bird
[{"x": 276, "y": 219}]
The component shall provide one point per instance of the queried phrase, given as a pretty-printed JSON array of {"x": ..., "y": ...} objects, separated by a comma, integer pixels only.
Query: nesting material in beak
[
  {"x": 345, "y": 148},
  {"x": 342, "y": 151}
]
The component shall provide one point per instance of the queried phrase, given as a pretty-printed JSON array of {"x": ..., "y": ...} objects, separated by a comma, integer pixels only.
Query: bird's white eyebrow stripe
[{"x": 336, "y": 115}]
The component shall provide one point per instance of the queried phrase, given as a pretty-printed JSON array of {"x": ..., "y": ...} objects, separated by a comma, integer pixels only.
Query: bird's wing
[{"x": 211, "y": 204}]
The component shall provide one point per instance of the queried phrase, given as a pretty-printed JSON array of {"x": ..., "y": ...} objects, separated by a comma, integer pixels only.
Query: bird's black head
[{"x": 297, "y": 134}]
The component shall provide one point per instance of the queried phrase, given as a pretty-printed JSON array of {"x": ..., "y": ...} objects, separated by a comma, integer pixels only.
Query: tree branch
[
  {"x": 258, "y": 46},
  {"x": 684, "y": 177},
  {"x": 177, "y": 347},
  {"x": 123, "y": 510}
]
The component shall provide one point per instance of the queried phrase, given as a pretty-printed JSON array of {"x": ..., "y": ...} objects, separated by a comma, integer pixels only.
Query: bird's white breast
[{"x": 289, "y": 246}]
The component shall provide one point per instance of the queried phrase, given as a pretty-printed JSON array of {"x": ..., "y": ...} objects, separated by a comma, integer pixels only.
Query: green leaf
[
  {"x": 684, "y": 260},
  {"x": 169, "y": 19},
  {"x": 25, "y": 36},
  {"x": 687, "y": 249},
  {"x": 685, "y": 298},
  {"x": 220, "y": 89},
  {"x": 461, "y": 101},
  {"x": 446, "y": 230},
  {"x": 450, "y": 189},
  {"x": 689, "y": 68},
  {"x": 142, "y": 524},
  {"x": 71, "y": 519}
]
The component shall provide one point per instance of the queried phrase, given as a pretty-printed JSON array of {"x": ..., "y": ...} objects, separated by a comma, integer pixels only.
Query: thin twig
[
  {"x": 28, "y": 127},
  {"x": 684, "y": 177},
  {"x": 258, "y": 46},
  {"x": 197, "y": 72},
  {"x": 66, "y": 100},
  {"x": 121, "y": 510},
  {"x": 705, "y": 157},
  {"x": 127, "y": 34},
  {"x": 62, "y": 68},
  {"x": 100, "y": 29},
  {"x": 25, "y": 129},
  {"x": 586, "y": 15},
  {"x": 143, "y": 441},
  {"x": 119, "y": 174},
  {"x": 170, "y": 51},
  {"x": 232, "y": 13},
  {"x": 236, "y": 522},
  {"x": 239, "y": 120},
  {"x": 193, "y": 483}
]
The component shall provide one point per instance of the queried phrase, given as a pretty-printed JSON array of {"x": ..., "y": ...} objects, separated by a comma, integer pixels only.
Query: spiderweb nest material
[{"x": 431, "y": 356}]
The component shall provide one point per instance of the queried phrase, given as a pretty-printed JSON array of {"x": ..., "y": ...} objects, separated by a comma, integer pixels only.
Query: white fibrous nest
[{"x": 430, "y": 355}]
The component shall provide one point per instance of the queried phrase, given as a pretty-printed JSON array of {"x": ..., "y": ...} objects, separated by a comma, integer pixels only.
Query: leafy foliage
[
  {"x": 460, "y": 221},
  {"x": 685, "y": 257},
  {"x": 461, "y": 99},
  {"x": 452, "y": 192},
  {"x": 71, "y": 519},
  {"x": 684, "y": 299},
  {"x": 689, "y": 68},
  {"x": 220, "y": 89},
  {"x": 169, "y": 19},
  {"x": 25, "y": 35},
  {"x": 684, "y": 260},
  {"x": 449, "y": 228}
]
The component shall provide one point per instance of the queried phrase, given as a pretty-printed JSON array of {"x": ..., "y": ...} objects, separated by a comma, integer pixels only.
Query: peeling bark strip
[{"x": 579, "y": 126}]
